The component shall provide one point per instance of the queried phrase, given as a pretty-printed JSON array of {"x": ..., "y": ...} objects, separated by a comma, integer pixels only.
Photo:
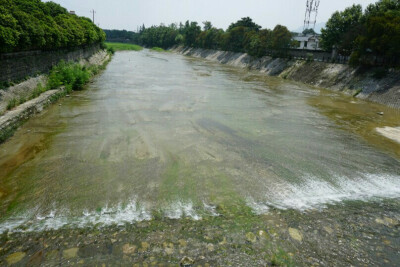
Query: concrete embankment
[
  {"x": 355, "y": 81},
  {"x": 12, "y": 119}
]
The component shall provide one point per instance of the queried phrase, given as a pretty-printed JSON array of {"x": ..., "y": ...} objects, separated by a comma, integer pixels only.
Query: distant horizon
[{"x": 131, "y": 14}]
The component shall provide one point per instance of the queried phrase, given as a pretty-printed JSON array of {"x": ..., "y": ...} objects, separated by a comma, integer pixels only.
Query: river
[{"x": 159, "y": 135}]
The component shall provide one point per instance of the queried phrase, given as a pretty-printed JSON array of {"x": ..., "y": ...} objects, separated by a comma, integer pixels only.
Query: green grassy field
[{"x": 122, "y": 46}]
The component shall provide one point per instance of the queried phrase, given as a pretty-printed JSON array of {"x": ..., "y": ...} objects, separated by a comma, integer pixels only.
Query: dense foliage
[
  {"x": 71, "y": 75},
  {"x": 33, "y": 24},
  {"x": 365, "y": 35},
  {"x": 241, "y": 36},
  {"x": 120, "y": 36}
]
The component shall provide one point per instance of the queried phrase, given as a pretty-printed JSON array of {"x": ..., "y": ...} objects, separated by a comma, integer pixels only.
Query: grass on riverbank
[
  {"x": 122, "y": 47},
  {"x": 158, "y": 49}
]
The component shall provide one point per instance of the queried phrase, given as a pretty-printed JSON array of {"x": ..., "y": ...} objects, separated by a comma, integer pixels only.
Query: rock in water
[
  {"x": 186, "y": 262},
  {"x": 250, "y": 237},
  {"x": 128, "y": 249},
  {"x": 295, "y": 234},
  {"x": 70, "y": 253},
  {"x": 15, "y": 257}
]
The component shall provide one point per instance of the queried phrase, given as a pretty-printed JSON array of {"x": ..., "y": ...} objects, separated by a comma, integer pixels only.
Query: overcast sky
[{"x": 129, "y": 14}]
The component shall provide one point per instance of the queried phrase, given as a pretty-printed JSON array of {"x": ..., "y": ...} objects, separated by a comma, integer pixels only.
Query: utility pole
[{"x": 93, "y": 12}]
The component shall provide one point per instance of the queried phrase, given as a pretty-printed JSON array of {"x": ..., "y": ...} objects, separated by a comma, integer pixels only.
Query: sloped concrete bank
[
  {"x": 11, "y": 120},
  {"x": 355, "y": 81}
]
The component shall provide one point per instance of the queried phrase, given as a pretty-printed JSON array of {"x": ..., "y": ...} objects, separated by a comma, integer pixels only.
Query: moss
[
  {"x": 8, "y": 132},
  {"x": 281, "y": 258}
]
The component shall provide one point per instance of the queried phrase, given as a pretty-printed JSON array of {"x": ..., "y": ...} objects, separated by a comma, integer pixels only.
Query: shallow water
[{"x": 162, "y": 134}]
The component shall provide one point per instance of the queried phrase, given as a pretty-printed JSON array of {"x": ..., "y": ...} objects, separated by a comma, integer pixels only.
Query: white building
[{"x": 308, "y": 42}]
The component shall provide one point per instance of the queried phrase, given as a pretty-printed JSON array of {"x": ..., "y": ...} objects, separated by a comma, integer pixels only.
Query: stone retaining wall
[{"x": 18, "y": 66}]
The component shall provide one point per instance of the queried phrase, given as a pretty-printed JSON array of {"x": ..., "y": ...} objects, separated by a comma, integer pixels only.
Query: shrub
[
  {"x": 111, "y": 50},
  {"x": 73, "y": 76}
]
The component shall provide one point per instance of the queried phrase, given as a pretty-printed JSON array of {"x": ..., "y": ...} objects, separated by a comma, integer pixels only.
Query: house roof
[{"x": 306, "y": 38}]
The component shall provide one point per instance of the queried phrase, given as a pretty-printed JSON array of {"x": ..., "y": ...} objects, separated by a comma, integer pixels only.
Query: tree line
[
  {"x": 363, "y": 35},
  {"x": 241, "y": 36},
  {"x": 360, "y": 34},
  {"x": 35, "y": 25}
]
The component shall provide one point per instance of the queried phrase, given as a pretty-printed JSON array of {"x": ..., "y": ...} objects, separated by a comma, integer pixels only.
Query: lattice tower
[{"x": 311, "y": 14}]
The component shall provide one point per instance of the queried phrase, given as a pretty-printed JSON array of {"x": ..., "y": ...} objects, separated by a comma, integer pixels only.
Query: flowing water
[{"x": 159, "y": 134}]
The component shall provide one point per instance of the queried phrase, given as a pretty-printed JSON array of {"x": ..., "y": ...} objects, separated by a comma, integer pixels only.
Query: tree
[
  {"x": 309, "y": 31},
  {"x": 381, "y": 30},
  {"x": 207, "y": 25},
  {"x": 245, "y": 22},
  {"x": 342, "y": 29},
  {"x": 234, "y": 39},
  {"x": 191, "y": 31},
  {"x": 258, "y": 43},
  {"x": 281, "y": 38},
  {"x": 32, "y": 24},
  {"x": 54, "y": 9},
  {"x": 381, "y": 7},
  {"x": 210, "y": 39}
]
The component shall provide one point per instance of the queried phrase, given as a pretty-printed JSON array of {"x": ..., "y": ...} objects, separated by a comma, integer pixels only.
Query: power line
[{"x": 93, "y": 12}]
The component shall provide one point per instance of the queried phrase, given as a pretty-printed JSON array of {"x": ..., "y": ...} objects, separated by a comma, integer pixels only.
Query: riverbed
[{"x": 165, "y": 156}]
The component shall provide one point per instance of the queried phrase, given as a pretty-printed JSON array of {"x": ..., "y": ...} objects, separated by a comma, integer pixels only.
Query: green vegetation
[
  {"x": 364, "y": 35},
  {"x": 368, "y": 35},
  {"x": 241, "y": 36},
  {"x": 33, "y": 24},
  {"x": 71, "y": 75},
  {"x": 38, "y": 91},
  {"x": 112, "y": 47},
  {"x": 9, "y": 131},
  {"x": 120, "y": 36},
  {"x": 158, "y": 49},
  {"x": 12, "y": 103},
  {"x": 358, "y": 91},
  {"x": 281, "y": 258}
]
